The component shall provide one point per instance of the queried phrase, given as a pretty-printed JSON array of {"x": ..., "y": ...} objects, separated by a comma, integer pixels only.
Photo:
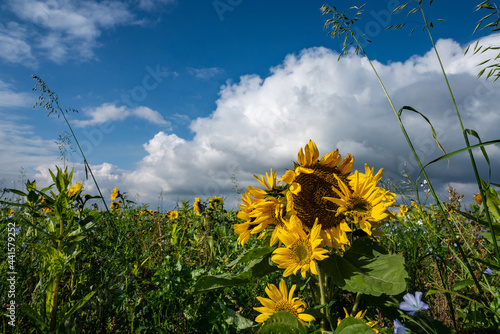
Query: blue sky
[{"x": 178, "y": 97}]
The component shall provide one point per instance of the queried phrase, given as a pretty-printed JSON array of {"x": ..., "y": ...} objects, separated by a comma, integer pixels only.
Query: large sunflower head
[
  {"x": 301, "y": 252},
  {"x": 282, "y": 300},
  {"x": 361, "y": 199},
  {"x": 309, "y": 183}
]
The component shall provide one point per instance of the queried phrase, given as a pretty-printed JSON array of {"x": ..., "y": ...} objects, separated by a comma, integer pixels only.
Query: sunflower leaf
[
  {"x": 367, "y": 268},
  {"x": 282, "y": 322},
  {"x": 256, "y": 269},
  {"x": 353, "y": 325}
]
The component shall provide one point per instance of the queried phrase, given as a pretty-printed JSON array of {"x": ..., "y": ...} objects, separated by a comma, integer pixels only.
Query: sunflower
[
  {"x": 115, "y": 194},
  {"x": 262, "y": 208},
  {"x": 215, "y": 202},
  {"x": 115, "y": 206},
  {"x": 198, "y": 207},
  {"x": 478, "y": 199},
  {"x": 361, "y": 199},
  {"x": 309, "y": 183},
  {"x": 271, "y": 211},
  {"x": 73, "y": 190},
  {"x": 403, "y": 209},
  {"x": 282, "y": 300},
  {"x": 301, "y": 251},
  {"x": 173, "y": 214}
]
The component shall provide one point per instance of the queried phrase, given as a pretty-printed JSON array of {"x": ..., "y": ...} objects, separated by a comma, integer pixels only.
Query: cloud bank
[{"x": 261, "y": 123}]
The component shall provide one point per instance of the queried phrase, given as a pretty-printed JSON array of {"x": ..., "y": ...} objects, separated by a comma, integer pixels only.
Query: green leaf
[
  {"x": 367, "y": 268},
  {"x": 434, "y": 135},
  {"x": 251, "y": 254},
  {"x": 446, "y": 156},
  {"x": 256, "y": 269},
  {"x": 282, "y": 322},
  {"x": 353, "y": 325},
  {"x": 462, "y": 284},
  {"x": 35, "y": 318},
  {"x": 78, "y": 305},
  {"x": 234, "y": 319}
]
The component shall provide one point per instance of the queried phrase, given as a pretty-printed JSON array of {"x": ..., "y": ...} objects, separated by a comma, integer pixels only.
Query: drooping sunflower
[
  {"x": 282, "y": 300},
  {"x": 73, "y": 190},
  {"x": 301, "y": 252},
  {"x": 197, "y": 206},
  {"x": 309, "y": 183},
  {"x": 361, "y": 199},
  {"x": 262, "y": 208},
  {"x": 115, "y": 194}
]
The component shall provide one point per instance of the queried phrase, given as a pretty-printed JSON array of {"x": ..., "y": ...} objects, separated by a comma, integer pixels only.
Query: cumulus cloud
[
  {"x": 108, "y": 112},
  {"x": 260, "y": 123},
  {"x": 60, "y": 29}
]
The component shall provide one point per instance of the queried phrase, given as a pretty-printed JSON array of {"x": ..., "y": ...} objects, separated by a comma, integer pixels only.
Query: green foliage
[
  {"x": 367, "y": 268},
  {"x": 282, "y": 322}
]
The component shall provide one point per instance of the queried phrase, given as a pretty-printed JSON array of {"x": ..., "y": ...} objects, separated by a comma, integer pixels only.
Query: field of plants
[{"x": 322, "y": 248}]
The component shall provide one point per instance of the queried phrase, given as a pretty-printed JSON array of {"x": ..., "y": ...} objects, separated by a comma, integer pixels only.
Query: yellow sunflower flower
[
  {"x": 215, "y": 202},
  {"x": 366, "y": 202},
  {"x": 282, "y": 300},
  {"x": 197, "y": 206},
  {"x": 73, "y": 190},
  {"x": 271, "y": 211},
  {"x": 173, "y": 214},
  {"x": 403, "y": 209},
  {"x": 115, "y": 206},
  {"x": 115, "y": 194},
  {"x": 478, "y": 199},
  {"x": 301, "y": 251},
  {"x": 262, "y": 208},
  {"x": 309, "y": 183}
]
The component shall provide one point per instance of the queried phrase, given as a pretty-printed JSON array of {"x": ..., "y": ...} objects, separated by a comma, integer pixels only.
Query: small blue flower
[
  {"x": 413, "y": 304},
  {"x": 488, "y": 271},
  {"x": 399, "y": 328}
]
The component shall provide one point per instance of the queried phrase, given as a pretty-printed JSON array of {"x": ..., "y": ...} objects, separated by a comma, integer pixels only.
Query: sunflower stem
[
  {"x": 356, "y": 303},
  {"x": 322, "y": 297}
]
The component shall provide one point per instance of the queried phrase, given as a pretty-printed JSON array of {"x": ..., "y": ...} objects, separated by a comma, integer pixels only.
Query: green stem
[
  {"x": 85, "y": 161},
  {"x": 356, "y": 303},
  {"x": 466, "y": 138},
  {"x": 431, "y": 188},
  {"x": 322, "y": 298},
  {"x": 57, "y": 279}
]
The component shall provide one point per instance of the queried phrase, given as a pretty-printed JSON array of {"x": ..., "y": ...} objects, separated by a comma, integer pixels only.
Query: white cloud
[
  {"x": 261, "y": 123},
  {"x": 204, "y": 73},
  {"x": 108, "y": 112},
  {"x": 11, "y": 99},
  {"x": 150, "y": 5},
  {"x": 62, "y": 28},
  {"x": 14, "y": 47}
]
